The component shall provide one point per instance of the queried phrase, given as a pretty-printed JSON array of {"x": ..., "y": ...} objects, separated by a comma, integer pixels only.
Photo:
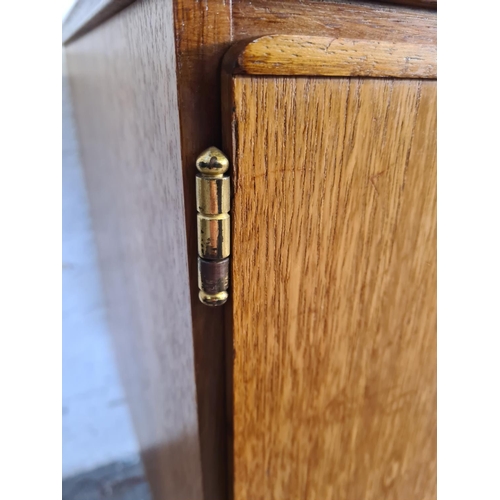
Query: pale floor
[{"x": 96, "y": 425}]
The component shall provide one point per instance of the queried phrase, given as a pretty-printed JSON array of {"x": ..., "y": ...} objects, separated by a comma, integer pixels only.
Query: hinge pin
[{"x": 213, "y": 193}]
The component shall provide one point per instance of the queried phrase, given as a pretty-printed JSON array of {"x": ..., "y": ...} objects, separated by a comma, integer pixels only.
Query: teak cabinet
[{"x": 317, "y": 378}]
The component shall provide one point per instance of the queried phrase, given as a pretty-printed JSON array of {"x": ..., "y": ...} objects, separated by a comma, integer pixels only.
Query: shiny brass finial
[
  {"x": 212, "y": 162},
  {"x": 213, "y": 204}
]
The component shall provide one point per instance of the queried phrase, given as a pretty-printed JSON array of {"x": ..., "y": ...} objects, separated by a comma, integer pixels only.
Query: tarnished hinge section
[{"x": 213, "y": 196}]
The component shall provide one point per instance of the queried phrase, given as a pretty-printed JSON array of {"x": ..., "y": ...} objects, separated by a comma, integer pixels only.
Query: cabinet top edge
[
  {"x": 85, "y": 15},
  {"x": 291, "y": 55}
]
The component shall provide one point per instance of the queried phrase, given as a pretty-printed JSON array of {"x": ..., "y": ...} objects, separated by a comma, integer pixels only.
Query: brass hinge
[{"x": 213, "y": 202}]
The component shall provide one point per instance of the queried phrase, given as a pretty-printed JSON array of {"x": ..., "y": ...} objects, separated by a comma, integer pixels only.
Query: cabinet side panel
[
  {"x": 124, "y": 90},
  {"x": 334, "y": 288}
]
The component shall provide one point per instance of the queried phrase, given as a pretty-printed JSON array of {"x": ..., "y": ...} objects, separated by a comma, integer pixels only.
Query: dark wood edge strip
[
  {"x": 424, "y": 4},
  {"x": 87, "y": 15},
  {"x": 290, "y": 55},
  {"x": 228, "y": 140}
]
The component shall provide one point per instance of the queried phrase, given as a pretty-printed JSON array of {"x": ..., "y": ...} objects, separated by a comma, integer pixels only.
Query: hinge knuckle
[{"x": 213, "y": 202}]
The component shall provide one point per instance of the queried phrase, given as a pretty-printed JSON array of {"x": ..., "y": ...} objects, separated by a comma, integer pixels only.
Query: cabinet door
[{"x": 332, "y": 363}]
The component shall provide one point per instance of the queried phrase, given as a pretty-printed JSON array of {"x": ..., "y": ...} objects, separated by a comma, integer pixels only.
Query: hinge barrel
[{"x": 213, "y": 202}]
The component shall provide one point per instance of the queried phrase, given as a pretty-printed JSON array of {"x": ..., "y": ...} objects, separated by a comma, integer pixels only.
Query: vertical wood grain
[
  {"x": 203, "y": 33},
  {"x": 124, "y": 89},
  {"x": 122, "y": 72},
  {"x": 334, "y": 288}
]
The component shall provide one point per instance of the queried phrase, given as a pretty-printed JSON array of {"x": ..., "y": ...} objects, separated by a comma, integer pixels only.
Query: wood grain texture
[
  {"x": 334, "y": 18},
  {"x": 136, "y": 53},
  {"x": 207, "y": 23},
  {"x": 124, "y": 89},
  {"x": 203, "y": 32},
  {"x": 88, "y": 14},
  {"x": 289, "y": 55},
  {"x": 333, "y": 288}
]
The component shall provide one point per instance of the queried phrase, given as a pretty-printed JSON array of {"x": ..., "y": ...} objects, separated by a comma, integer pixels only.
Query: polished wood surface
[
  {"x": 289, "y": 55},
  {"x": 202, "y": 36},
  {"x": 127, "y": 59},
  {"x": 204, "y": 32},
  {"x": 198, "y": 25},
  {"x": 333, "y": 288},
  {"x": 336, "y": 18},
  {"x": 124, "y": 89}
]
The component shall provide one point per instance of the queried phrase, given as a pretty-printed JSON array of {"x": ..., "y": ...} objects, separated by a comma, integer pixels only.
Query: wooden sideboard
[{"x": 317, "y": 379}]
